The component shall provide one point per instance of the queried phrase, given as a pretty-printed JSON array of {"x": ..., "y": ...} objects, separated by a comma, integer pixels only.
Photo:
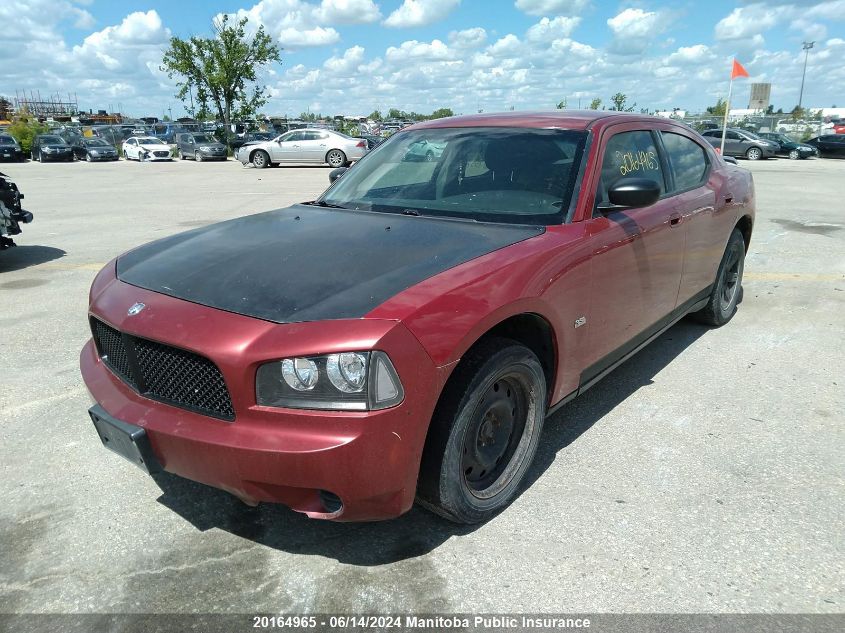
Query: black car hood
[{"x": 307, "y": 263}]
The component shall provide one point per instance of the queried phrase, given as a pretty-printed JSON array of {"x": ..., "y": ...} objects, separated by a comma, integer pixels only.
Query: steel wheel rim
[
  {"x": 793, "y": 154},
  {"x": 731, "y": 278},
  {"x": 753, "y": 154},
  {"x": 497, "y": 436}
]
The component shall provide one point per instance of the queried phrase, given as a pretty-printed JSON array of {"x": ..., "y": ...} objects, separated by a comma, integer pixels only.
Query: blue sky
[{"x": 352, "y": 56}]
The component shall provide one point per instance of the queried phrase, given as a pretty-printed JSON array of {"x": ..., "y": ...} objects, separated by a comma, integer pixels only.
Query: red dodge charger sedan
[{"x": 404, "y": 336}]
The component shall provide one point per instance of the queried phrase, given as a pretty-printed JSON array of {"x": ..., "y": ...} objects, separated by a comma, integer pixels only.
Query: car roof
[{"x": 543, "y": 119}]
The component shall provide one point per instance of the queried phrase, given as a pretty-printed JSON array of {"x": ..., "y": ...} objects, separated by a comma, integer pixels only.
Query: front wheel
[
  {"x": 794, "y": 155},
  {"x": 754, "y": 153},
  {"x": 335, "y": 158},
  {"x": 198, "y": 157},
  {"x": 484, "y": 432},
  {"x": 260, "y": 159},
  {"x": 88, "y": 157},
  {"x": 727, "y": 289}
]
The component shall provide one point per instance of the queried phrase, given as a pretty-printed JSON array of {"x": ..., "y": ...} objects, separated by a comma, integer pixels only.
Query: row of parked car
[
  {"x": 745, "y": 144},
  {"x": 266, "y": 149}
]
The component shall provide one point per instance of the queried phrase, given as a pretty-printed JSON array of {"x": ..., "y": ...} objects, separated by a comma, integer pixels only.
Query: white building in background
[{"x": 672, "y": 114}]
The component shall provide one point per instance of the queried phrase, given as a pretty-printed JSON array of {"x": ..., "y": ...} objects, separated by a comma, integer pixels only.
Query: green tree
[
  {"x": 442, "y": 113},
  {"x": 6, "y": 108},
  {"x": 375, "y": 115},
  {"x": 562, "y": 104},
  {"x": 222, "y": 69},
  {"x": 619, "y": 103},
  {"x": 25, "y": 129},
  {"x": 393, "y": 113},
  {"x": 595, "y": 104},
  {"x": 719, "y": 108},
  {"x": 798, "y": 113}
]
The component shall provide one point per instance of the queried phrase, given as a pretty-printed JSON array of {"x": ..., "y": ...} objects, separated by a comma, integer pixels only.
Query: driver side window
[{"x": 629, "y": 155}]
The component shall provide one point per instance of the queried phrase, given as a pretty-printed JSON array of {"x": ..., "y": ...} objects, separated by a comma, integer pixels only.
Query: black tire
[
  {"x": 260, "y": 159},
  {"x": 489, "y": 416},
  {"x": 40, "y": 156},
  {"x": 180, "y": 154},
  {"x": 336, "y": 158},
  {"x": 125, "y": 155},
  {"x": 727, "y": 289},
  {"x": 754, "y": 153},
  {"x": 87, "y": 157},
  {"x": 794, "y": 155},
  {"x": 198, "y": 156}
]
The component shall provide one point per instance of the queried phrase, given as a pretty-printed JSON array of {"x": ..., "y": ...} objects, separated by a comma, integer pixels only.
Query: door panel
[
  {"x": 637, "y": 255},
  {"x": 696, "y": 202}
]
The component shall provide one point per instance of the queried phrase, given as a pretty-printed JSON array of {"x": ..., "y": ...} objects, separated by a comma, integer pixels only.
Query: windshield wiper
[{"x": 328, "y": 205}]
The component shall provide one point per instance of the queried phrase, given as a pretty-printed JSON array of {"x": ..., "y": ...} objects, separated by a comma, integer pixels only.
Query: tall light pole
[{"x": 807, "y": 47}]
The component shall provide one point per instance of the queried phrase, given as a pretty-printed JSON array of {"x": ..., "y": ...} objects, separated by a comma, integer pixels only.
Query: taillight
[{"x": 361, "y": 144}]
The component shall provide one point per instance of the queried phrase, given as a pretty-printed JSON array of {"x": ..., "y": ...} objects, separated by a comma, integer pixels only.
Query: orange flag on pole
[{"x": 738, "y": 71}]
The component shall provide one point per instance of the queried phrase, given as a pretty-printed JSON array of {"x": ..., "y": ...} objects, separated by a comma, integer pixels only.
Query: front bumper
[
  {"x": 57, "y": 156},
  {"x": 369, "y": 460}
]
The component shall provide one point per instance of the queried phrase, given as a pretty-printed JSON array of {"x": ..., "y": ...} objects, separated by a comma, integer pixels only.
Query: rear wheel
[
  {"x": 727, "y": 290},
  {"x": 484, "y": 432},
  {"x": 754, "y": 153},
  {"x": 335, "y": 158},
  {"x": 260, "y": 159}
]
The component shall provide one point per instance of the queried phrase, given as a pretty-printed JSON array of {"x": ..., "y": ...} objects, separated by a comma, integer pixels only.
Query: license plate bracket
[{"x": 127, "y": 440}]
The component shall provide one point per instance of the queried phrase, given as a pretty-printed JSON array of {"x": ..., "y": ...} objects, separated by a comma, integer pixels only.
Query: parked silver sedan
[{"x": 304, "y": 146}]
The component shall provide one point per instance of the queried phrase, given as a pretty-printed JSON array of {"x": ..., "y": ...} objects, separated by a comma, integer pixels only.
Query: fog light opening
[{"x": 331, "y": 502}]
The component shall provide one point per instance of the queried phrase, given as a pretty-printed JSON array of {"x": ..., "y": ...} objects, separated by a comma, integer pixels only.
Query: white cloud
[
  {"x": 348, "y": 12},
  {"x": 292, "y": 37},
  {"x": 468, "y": 38},
  {"x": 634, "y": 29},
  {"x": 420, "y": 13},
  {"x": 413, "y": 49},
  {"x": 552, "y": 7},
  {"x": 547, "y": 30},
  {"x": 346, "y": 64}
]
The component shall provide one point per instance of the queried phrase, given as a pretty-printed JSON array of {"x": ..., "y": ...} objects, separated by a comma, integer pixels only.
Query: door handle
[
  {"x": 675, "y": 219},
  {"x": 729, "y": 197}
]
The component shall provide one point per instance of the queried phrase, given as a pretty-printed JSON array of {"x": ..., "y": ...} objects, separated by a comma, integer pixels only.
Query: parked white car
[
  {"x": 145, "y": 148},
  {"x": 304, "y": 146}
]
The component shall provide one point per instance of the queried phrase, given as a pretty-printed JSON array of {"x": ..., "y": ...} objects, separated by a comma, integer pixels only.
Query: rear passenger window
[
  {"x": 631, "y": 155},
  {"x": 688, "y": 160}
]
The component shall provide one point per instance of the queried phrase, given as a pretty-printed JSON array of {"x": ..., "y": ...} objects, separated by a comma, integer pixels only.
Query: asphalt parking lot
[{"x": 705, "y": 475}]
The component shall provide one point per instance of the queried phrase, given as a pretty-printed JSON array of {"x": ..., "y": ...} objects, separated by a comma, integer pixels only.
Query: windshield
[
  {"x": 148, "y": 140},
  {"x": 53, "y": 140},
  {"x": 515, "y": 175},
  {"x": 96, "y": 142},
  {"x": 7, "y": 140},
  {"x": 203, "y": 138}
]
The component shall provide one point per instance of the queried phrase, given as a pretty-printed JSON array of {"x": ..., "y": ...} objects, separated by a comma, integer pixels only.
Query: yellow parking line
[{"x": 754, "y": 276}]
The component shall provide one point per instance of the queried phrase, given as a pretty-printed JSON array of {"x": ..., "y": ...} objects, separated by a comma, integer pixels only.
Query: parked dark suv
[
  {"x": 200, "y": 147},
  {"x": 51, "y": 147},
  {"x": 742, "y": 143}
]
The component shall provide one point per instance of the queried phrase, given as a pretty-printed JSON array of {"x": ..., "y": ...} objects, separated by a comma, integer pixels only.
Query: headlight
[
  {"x": 50, "y": 150},
  {"x": 349, "y": 381},
  {"x": 95, "y": 152}
]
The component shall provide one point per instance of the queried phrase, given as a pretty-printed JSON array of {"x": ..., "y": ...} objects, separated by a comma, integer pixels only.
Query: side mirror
[
  {"x": 632, "y": 192},
  {"x": 334, "y": 174},
  {"x": 730, "y": 159}
]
